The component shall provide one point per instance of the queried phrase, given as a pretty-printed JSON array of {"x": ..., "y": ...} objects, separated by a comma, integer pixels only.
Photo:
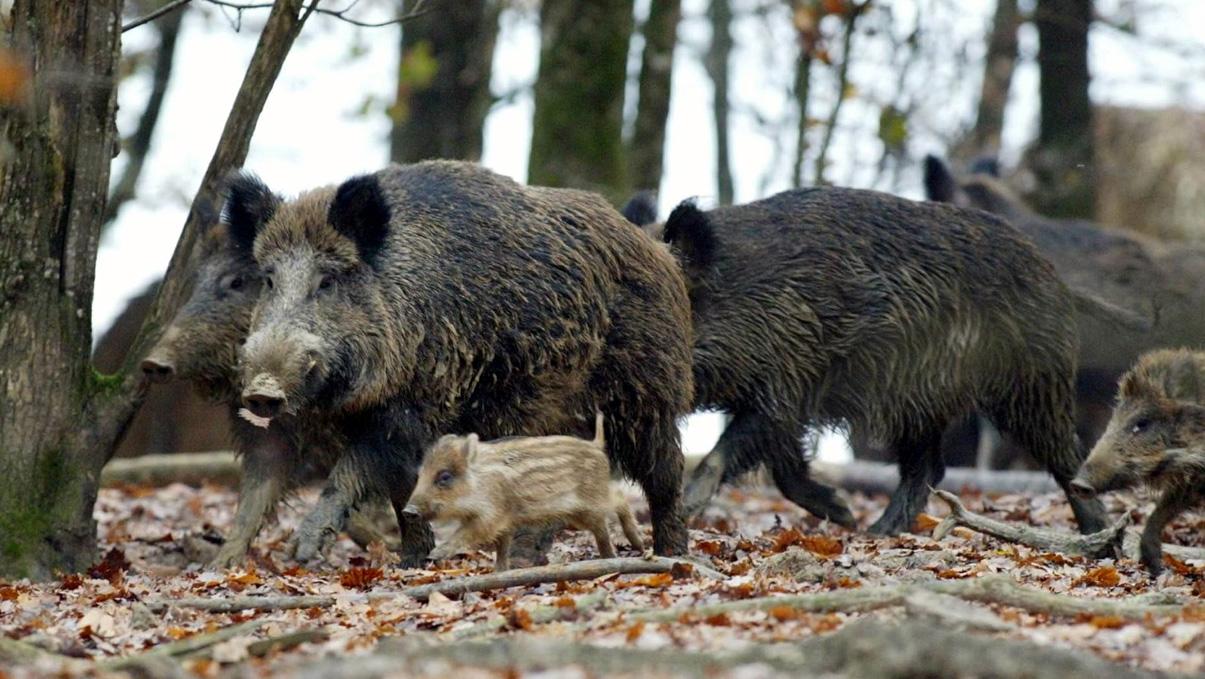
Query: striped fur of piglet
[{"x": 494, "y": 487}]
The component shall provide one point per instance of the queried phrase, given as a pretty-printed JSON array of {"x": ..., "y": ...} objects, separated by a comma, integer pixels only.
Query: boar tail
[
  {"x": 641, "y": 209},
  {"x": 690, "y": 233},
  {"x": 600, "y": 439},
  {"x": 1090, "y": 305}
]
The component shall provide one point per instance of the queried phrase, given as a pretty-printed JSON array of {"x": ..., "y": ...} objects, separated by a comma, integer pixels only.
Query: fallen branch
[
  {"x": 284, "y": 642},
  {"x": 578, "y": 570},
  {"x": 1038, "y": 538},
  {"x": 1001, "y": 589},
  {"x": 877, "y": 478},
  {"x": 538, "y": 615},
  {"x": 860, "y": 650},
  {"x": 182, "y": 647},
  {"x": 242, "y": 603},
  {"x": 161, "y": 470},
  {"x": 17, "y": 652}
]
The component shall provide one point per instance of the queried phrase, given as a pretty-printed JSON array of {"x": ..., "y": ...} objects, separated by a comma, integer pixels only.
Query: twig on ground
[
  {"x": 242, "y": 603},
  {"x": 284, "y": 642},
  {"x": 1046, "y": 540},
  {"x": 539, "y": 614},
  {"x": 182, "y": 647}
]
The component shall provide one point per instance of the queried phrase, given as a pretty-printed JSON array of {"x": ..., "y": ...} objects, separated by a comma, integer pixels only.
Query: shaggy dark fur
[
  {"x": 442, "y": 298},
  {"x": 859, "y": 309},
  {"x": 1165, "y": 282}
]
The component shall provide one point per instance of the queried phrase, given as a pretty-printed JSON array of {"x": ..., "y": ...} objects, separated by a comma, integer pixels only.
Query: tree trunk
[
  {"x": 998, "y": 67},
  {"x": 52, "y": 194},
  {"x": 577, "y": 126},
  {"x": 443, "y": 91},
  {"x": 1063, "y": 161},
  {"x": 719, "y": 12},
  {"x": 646, "y": 151}
]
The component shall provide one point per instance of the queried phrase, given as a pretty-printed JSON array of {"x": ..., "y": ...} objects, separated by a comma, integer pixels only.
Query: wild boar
[
  {"x": 862, "y": 310},
  {"x": 1162, "y": 282},
  {"x": 1155, "y": 437},
  {"x": 494, "y": 487},
  {"x": 200, "y": 347},
  {"x": 441, "y": 297}
]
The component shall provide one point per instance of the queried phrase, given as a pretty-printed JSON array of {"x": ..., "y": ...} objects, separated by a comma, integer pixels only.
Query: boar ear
[
  {"x": 249, "y": 205},
  {"x": 940, "y": 185},
  {"x": 360, "y": 212},
  {"x": 1134, "y": 386},
  {"x": 470, "y": 449},
  {"x": 1183, "y": 378},
  {"x": 988, "y": 165},
  {"x": 690, "y": 233},
  {"x": 641, "y": 209}
]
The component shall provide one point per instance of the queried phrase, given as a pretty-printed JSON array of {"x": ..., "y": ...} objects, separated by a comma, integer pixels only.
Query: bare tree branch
[{"x": 420, "y": 8}]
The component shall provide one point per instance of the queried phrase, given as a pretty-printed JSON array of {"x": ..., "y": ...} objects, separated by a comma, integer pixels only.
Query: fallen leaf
[
  {"x": 99, "y": 623},
  {"x": 1108, "y": 621},
  {"x": 654, "y": 580},
  {"x": 784, "y": 613},
  {"x": 1103, "y": 576},
  {"x": 232, "y": 650},
  {"x": 112, "y": 567},
  {"x": 718, "y": 620},
  {"x": 360, "y": 578},
  {"x": 925, "y": 523},
  {"x": 518, "y": 618}
]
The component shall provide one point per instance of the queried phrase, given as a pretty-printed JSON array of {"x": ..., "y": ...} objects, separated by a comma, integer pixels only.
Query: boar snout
[
  {"x": 1081, "y": 488},
  {"x": 158, "y": 368},
  {"x": 264, "y": 397}
]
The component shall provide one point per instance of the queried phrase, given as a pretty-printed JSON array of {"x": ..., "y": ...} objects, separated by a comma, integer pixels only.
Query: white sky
[{"x": 313, "y": 131}]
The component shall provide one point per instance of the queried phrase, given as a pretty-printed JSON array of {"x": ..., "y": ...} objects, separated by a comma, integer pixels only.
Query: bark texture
[
  {"x": 1063, "y": 161},
  {"x": 52, "y": 193},
  {"x": 646, "y": 154},
  {"x": 443, "y": 92},
  {"x": 998, "y": 67},
  {"x": 577, "y": 126}
]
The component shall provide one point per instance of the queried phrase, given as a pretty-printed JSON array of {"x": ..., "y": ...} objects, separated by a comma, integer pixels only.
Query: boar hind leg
[
  {"x": 647, "y": 450},
  {"x": 1150, "y": 548},
  {"x": 502, "y": 552},
  {"x": 738, "y": 451},
  {"x": 921, "y": 468}
]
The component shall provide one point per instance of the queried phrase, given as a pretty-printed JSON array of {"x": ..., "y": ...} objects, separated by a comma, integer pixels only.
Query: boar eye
[
  {"x": 444, "y": 478},
  {"x": 1140, "y": 426},
  {"x": 326, "y": 282},
  {"x": 236, "y": 283}
]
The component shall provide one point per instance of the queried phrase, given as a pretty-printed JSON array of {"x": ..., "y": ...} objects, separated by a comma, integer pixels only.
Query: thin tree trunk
[
  {"x": 802, "y": 92},
  {"x": 577, "y": 126},
  {"x": 52, "y": 194},
  {"x": 139, "y": 144},
  {"x": 719, "y": 12},
  {"x": 830, "y": 128},
  {"x": 1063, "y": 161},
  {"x": 441, "y": 113},
  {"x": 998, "y": 67},
  {"x": 646, "y": 152}
]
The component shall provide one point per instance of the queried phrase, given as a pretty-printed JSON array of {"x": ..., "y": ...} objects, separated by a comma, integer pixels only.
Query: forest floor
[{"x": 156, "y": 539}]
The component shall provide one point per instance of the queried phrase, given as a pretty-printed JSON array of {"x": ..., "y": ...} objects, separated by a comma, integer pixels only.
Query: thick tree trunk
[
  {"x": 998, "y": 67},
  {"x": 718, "y": 54},
  {"x": 1063, "y": 161},
  {"x": 52, "y": 194},
  {"x": 577, "y": 126},
  {"x": 443, "y": 92},
  {"x": 646, "y": 151}
]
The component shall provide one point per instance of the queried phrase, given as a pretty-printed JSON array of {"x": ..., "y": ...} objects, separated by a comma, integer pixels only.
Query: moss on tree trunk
[{"x": 577, "y": 127}]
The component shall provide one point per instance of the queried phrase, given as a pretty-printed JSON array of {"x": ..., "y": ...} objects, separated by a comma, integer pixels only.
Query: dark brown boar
[
  {"x": 856, "y": 309},
  {"x": 442, "y": 297},
  {"x": 1162, "y": 281},
  {"x": 200, "y": 348},
  {"x": 494, "y": 487},
  {"x": 1155, "y": 437}
]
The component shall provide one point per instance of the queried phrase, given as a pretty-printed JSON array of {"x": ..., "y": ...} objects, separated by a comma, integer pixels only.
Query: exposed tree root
[
  {"x": 860, "y": 649},
  {"x": 183, "y": 647},
  {"x": 1046, "y": 540}
]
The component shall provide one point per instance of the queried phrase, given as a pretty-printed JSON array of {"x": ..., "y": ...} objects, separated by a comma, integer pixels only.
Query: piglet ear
[
  {"x": 360, "y": 212},
  {"x": 470, "y": 449},
  {"x": 1133, "y": 386},
  {"x": 249, "y": 205}
]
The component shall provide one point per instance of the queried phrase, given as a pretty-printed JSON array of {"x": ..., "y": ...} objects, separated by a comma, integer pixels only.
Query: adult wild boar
[
  {"x": 441, "y": 297},
  {"x": 1164, "y": 282},
  {"x": 200, "y": 346},
  {"x": 859, "y": 309}
]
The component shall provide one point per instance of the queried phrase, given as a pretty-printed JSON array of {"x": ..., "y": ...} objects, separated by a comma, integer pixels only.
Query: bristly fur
[
  {"x": 361, "y": 212},
  {"x": 1156, "y": 437},
  {"x": 691, "y": 234},
  {"x": 860, "y": 309},
  {"x": 249, "y": 205},
  {"x": 641, "y": 209},
  {"x": 495, "y": 487},
  {"x": 1116, "y": 266}
]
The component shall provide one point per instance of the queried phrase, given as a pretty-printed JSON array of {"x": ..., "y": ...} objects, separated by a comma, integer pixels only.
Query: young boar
[
  {"x": 200, "y": 346},
  {"x": 1155, "y": 437},
  {"x": 494, "y": 487},
  {"x": 440, "y": 297},
  {"x": 859, "y": 309}
]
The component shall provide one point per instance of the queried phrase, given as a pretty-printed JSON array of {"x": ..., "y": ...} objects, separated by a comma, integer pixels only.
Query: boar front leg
[
  {"x": 1150, "y": 548},
  {"x": 262, "y": 483}
]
